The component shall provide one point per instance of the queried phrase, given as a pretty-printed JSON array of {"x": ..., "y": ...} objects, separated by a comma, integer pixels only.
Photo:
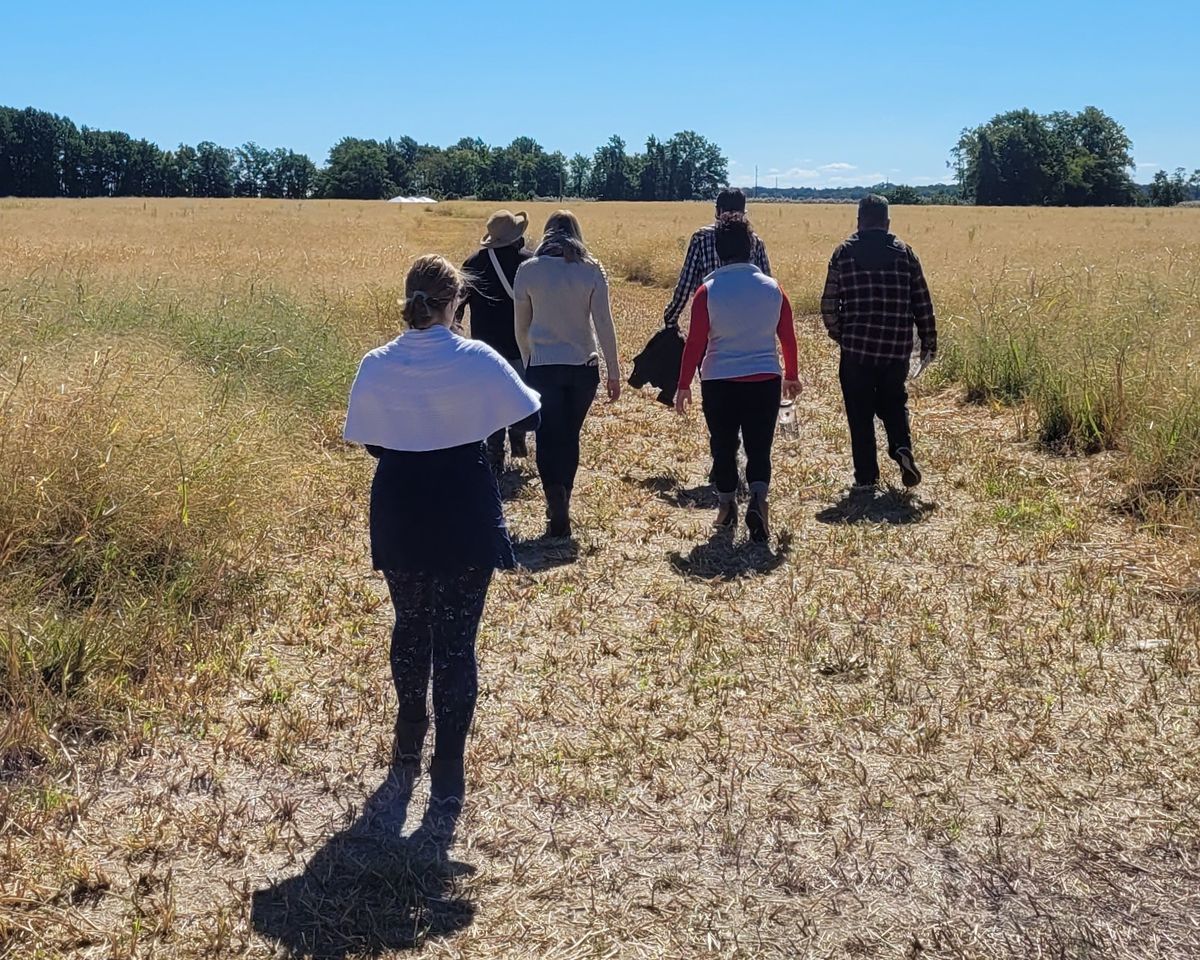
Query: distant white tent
[{"x": 412, "y": 200}]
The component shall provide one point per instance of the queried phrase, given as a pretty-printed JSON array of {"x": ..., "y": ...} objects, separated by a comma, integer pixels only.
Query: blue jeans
[{"x": 567, "y": 393}]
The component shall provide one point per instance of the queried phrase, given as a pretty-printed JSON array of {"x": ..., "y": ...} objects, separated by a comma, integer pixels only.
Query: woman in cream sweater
[{"x": 563, "y": 322}]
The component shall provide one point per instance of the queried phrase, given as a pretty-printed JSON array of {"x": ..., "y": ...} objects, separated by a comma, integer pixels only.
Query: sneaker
[
  {"x": 756, "y": 519},
  {"x": 909, "y": 472}
]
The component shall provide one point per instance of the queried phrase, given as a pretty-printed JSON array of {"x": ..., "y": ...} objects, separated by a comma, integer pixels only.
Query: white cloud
[
  {"x": 838, "y": 166},
  {"x": 857, "y": 180},
  {"x": 1147, "y": 165}
]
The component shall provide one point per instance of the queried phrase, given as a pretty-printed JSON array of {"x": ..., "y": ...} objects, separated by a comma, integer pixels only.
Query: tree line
[
  {"x": 1023, "y": 158},
  {"x": 45, "y": 155}
]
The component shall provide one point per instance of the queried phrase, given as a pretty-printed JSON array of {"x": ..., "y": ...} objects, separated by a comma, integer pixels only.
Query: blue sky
[{"x": 814, "y": 94}]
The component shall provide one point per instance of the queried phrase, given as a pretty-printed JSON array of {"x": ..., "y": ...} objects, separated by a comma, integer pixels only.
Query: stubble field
[{"x": 959, "y": 724}]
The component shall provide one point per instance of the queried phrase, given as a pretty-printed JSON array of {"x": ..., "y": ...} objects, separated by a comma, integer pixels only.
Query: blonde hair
[
  {"x": 563, "y": 237},
  {"x": 432, "y": 284}
]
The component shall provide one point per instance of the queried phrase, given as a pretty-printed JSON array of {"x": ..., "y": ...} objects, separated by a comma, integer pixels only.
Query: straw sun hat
[{"x": 504, "y": 229}]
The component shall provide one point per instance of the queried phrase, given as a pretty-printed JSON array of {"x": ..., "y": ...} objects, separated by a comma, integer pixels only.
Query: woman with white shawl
[{"x": 423, "y": 405}]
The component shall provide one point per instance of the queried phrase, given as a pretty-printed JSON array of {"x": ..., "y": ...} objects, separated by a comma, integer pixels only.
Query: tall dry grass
[{"x": 172, "y": 369}]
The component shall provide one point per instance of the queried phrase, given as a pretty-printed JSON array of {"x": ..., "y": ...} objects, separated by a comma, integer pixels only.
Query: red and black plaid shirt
[{"x": 875, "y": 294}]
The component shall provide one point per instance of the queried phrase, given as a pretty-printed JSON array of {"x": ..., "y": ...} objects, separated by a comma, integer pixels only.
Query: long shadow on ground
[
  {"x": 889, "y": 506},
  {"x": 723, "y": 559},
  {"x": 670, "y": 490},
  {"x": 545, "y": 553},
  {"x": 367, "y": 892}
]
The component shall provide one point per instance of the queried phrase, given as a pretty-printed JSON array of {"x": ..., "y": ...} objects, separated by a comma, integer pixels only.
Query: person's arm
[
  {"x": 697, "y": 340},
  {"x": 375, "y": 451},
  {"x": 606, "y": 332},
  {"x": 831, "y": 301},
  {"x": 787, "y": 341},
  {"x": 689, "y": 280},
  {"x": 922, "y": 309},
  {"x": 522, "y": 313},
  {"x": 761, "y": 260}
]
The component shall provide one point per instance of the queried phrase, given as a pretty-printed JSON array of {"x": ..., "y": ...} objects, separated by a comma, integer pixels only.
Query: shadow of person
[
  {"x": 512, "y": 481},
  {"x": 545, "y": 553},
  {"x": 723, "y": 559},
  {"x": 368, "y": 891},
  {"x": 669, "y": 490},
  {"x": 873, "y": 506}
]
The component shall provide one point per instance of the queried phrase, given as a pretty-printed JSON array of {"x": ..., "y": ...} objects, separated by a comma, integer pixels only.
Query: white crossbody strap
[{"x": 500, "y": 273}]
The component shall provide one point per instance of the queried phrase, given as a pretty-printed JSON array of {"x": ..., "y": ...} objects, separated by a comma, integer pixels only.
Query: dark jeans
[
  {"x": 567, "y": 393},
  {"x": 748, "y": 407},
  {"x": 870, "y": 391},
  {"x": 437, "y": 619}
]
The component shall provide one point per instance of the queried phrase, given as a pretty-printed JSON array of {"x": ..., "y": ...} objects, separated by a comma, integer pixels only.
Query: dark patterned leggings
[{"x": 437, "y": 619}]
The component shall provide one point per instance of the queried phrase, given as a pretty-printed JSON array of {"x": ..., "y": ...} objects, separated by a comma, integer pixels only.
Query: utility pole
[{"x": 756, "y": 181}]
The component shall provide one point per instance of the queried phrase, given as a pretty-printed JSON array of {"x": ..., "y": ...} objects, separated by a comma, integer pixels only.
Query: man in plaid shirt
[
  {"x": 875, "y": 295},
  {"x": 702, "y": 259}
]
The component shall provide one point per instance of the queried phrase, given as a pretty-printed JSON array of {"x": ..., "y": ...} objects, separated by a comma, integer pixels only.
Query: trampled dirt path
[{"x": 959, "y": 724}]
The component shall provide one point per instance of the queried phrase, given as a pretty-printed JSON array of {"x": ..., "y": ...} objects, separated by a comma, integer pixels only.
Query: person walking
[
  {"x": 562, "y": 310},
  {"x": 737, "y": 315},
  {"x": 875, "y": 295},
  {"x": 423, "y": 405},
  {"x": 702, "y": 257},
  {"x": 493, "y": 269}
]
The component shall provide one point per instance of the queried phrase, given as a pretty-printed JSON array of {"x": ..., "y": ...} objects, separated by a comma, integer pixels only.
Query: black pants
[
  {"x": 748, "y": 407},
  {"x": 870, "y": 391},
  {"x": 437, "y": 620},
  {"x": 495, "y": 442},
  {"x": 567, "y": 393}
]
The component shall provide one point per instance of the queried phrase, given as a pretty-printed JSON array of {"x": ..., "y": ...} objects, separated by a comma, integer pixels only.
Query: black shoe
[
  {"x": 558, "y": 512},
  {"x": 756, "y": 519},
  {"x": 910, "y": 474}
]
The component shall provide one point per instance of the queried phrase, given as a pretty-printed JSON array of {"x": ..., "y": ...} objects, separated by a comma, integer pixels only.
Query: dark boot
[
  {"x": 519, "y": 447},
  {"x": 558, "y": 512},
  {"x": 406, "y": 752}
]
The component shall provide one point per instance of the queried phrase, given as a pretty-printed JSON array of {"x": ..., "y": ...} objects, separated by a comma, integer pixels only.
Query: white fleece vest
[{"x": 743, "y": 317}]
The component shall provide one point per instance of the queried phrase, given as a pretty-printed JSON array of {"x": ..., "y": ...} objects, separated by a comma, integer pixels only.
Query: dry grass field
[{"x": 960, "y": 724}]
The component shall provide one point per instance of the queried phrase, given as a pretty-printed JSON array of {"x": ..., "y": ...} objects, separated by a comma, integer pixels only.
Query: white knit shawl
[{"x": 432, "y": 389}]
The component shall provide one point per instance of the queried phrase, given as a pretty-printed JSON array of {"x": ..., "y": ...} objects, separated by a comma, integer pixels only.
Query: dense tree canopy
[
  {"x": 44, "y": 155},
  {"x": 1023, "y": 158}
]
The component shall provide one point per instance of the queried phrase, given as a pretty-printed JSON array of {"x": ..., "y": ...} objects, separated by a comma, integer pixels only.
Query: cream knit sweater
[{"x": 561, "y": 310}]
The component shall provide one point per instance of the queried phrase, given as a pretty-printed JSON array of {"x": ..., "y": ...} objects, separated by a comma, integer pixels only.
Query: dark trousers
[
  {"x": 873, "y": 390},
  {"x": 495, "y": 443},
  {"x": 746, "y": 407},
  {"x": 437, "y": 620},
  {"x": 567, "y": 393}
]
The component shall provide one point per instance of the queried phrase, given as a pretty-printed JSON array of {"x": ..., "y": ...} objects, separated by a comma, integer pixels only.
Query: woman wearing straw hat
[{"x": 492, "y": 271}]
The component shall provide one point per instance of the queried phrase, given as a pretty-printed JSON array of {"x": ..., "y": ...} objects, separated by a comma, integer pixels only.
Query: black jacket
[
  {"x": 491, "y": 306},
  {"x": 658, "y": 364}
]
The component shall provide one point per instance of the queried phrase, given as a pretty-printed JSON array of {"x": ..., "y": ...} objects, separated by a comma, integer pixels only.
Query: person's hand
[
  {"x": 683, "y": 400},
  {"x": 614, "y": 389},
  {"x": 791, "y": 389}
]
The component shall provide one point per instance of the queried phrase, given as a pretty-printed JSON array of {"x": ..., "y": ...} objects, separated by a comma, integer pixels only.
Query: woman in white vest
[
  {"x": 737, "y": 316},
  {"x": 423, "y": 405}
]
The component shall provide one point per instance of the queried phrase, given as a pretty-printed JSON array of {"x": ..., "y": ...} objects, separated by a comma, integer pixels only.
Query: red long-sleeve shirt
[{"x": 700, "y": 328}]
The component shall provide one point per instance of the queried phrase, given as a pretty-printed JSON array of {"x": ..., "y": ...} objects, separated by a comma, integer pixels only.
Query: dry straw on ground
[{"x": 962, "y": 724}]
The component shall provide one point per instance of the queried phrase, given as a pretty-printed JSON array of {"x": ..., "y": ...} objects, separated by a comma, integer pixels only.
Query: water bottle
[{"x": 788, "y": 427}]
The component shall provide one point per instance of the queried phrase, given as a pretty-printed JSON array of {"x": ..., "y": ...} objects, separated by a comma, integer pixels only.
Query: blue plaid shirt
[{"x": 702, "y": 260}]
